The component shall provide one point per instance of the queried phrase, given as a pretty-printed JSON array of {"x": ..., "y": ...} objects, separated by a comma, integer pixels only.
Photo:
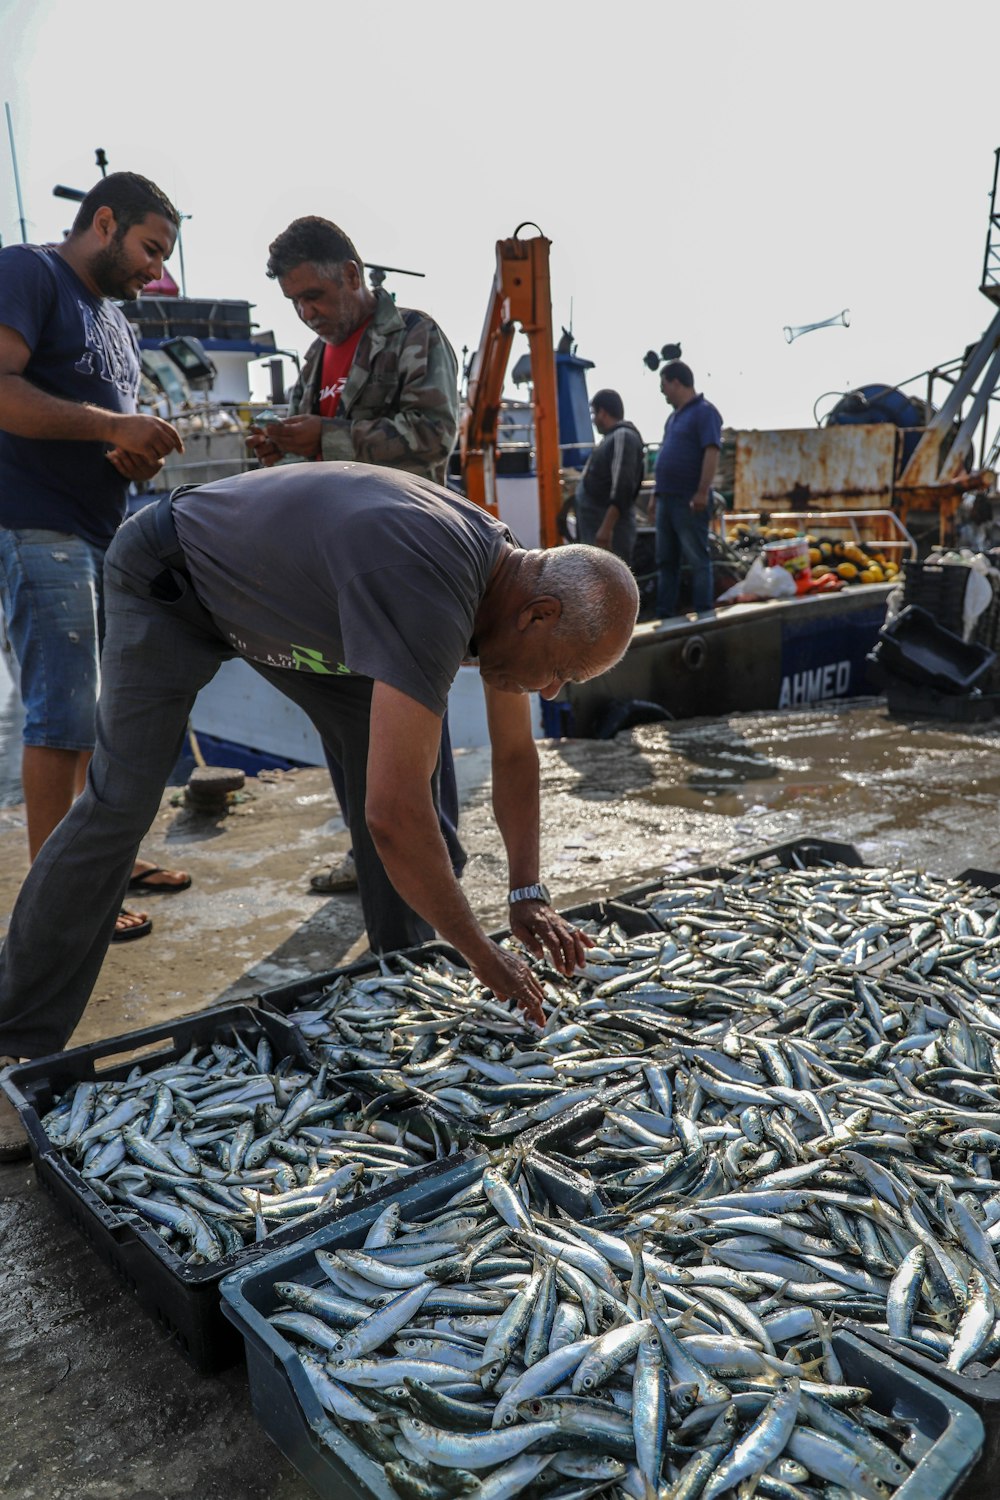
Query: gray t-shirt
[{"x": 342, "y": 568}]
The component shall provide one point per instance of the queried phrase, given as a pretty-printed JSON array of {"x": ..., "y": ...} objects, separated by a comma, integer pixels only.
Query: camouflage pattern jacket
[{"x": 399, "y": 406}]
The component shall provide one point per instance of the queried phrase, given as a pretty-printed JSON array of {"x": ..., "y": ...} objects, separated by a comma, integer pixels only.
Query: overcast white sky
[{"x": 707, "y": 172}]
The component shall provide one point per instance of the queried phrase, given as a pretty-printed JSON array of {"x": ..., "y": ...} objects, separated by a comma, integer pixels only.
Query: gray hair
[{"x": 596, "y": 590}]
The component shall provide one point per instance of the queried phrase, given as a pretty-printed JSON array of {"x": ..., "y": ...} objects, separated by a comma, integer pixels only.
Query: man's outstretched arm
[
  {"x": 404, "y": 742},
  {"x": 517, "y": 809}
]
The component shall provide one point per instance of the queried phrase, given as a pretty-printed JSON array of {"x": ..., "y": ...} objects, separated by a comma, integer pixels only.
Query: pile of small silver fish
[
  {"x": 226, "y": 1143},
  {"x": 498, "y": 1347},
  {"x": 805, "y": 1115},
  {"x": 833, "y": 1136},
  {"x": 430, "y": 1032}
]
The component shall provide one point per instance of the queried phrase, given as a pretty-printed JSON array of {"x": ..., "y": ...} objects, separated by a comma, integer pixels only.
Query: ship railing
[{"x": 864, "y": 527}]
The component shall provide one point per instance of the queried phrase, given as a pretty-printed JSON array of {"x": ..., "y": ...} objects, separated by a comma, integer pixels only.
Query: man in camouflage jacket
[
  {"x": 399, "y": 404},
  {"x": 379, "y": 385}
]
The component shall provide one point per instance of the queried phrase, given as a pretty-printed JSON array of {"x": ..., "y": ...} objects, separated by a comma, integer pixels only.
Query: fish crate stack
[
  {"x": 719, "y": 1054},
  {"x": 134, "y": 1138},
  {"x": 927, "y": 665},
  {"x": 731, "y": 1213}
]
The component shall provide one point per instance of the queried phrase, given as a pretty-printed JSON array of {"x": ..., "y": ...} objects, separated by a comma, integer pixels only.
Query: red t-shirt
[{"x": 337, "y": 362}]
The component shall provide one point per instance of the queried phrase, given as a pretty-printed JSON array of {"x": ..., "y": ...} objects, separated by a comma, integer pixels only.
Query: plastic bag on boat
[
  {"x": 978, "y": 594},
  {"x": 761, "y": 582}
]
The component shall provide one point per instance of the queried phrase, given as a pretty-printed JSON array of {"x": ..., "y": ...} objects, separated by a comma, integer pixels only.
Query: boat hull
[{"x": 780, "y": 653}]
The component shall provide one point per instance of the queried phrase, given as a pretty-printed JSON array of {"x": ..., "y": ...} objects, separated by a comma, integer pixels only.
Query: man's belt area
[{"x": 168, "y": 548}]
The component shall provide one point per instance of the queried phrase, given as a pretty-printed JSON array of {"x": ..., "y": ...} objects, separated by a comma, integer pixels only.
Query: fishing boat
[{"x": 877, "y": 466}]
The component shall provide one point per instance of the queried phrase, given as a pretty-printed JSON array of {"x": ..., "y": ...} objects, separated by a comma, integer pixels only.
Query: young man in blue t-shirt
[
  {"x": 685, "y": 469},
  {"x": 71, "y": 440}
]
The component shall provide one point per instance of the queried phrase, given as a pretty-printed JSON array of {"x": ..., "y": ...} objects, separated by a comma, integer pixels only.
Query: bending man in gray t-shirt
[{"x": 358, "y": 592}]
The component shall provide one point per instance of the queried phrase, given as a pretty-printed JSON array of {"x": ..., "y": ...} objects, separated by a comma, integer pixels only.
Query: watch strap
[{"x": 536, "y": 892}]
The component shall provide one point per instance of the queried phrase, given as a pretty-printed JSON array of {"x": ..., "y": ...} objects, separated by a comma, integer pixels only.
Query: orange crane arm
[{"x": 521, "y": 295}]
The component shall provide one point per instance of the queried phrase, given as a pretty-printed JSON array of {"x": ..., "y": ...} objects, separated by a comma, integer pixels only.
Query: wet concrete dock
[{"x": 97, "y": 1402}]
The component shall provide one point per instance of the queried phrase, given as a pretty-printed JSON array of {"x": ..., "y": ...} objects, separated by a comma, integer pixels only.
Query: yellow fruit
[
  {"x": 788, "y": 531},
  {"x": 847, "y": 570},
  {"x": 855, "y": 554},
  {"x": 826, "y": 549},
  {"x": 891, "y": 569},
  {"x": 821, "y": 572},
  {"x": 871, "y": 575},
  {"x": 814, "y": 555}
]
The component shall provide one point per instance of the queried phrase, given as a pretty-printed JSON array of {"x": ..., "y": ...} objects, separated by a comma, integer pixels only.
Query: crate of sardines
[
  {"x": 484, "y": 1330},
  {"x": 425, "y": 1031},
  {"x": 185, "y": 1150}
]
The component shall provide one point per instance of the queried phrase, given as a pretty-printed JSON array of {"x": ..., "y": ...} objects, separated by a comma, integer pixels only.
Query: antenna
[
  {"x": 17, "y": 178},
  {"x": 377, "y": 274}
]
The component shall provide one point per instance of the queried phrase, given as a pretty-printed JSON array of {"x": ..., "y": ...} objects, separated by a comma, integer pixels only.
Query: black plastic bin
[
  {"x": 981, "y": 1396},
  {"x": 907, "y": 701},
  {"x": 183, "y": 1298},
  {"x": 948, "y": 1435},
  {"x": 283, "y": 1400},
  {"x": 916, "y": 648},
  {"x": 937, "y": 587}
]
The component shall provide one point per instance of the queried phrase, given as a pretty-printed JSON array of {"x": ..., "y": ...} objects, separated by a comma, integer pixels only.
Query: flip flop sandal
[
  {"x": 138, "y": 930},
  {"x": 144, "y": 883}
]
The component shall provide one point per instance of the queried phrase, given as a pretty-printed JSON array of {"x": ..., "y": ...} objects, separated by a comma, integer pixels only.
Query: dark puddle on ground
[{"x": 850, "y": 759}]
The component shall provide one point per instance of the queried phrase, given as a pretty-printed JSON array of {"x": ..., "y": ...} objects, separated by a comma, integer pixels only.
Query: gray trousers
[
  {"x": 588, "y": 522},
  {"x": 160, "y": 649}
]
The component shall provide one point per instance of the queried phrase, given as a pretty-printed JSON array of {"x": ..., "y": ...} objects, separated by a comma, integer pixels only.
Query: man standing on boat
[
  {"x": 71, "y": 440},
  {"x": 357, "y": 592},
  {"x": 379, "y": 384},
  {"x": 685, "y": 469},
  {"x": 605, "y": 496}
]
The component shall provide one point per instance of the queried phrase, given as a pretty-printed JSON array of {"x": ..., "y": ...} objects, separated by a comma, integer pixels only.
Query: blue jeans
[
  {"x": 52, "y": 597},
  {"x": 160, "y": 649},
  {"x": 681, "y": 536}
]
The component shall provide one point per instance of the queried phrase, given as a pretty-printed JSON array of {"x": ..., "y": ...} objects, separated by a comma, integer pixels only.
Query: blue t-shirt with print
[
  {"x": 688, "y": 433},
  {"x": 82, "y": 350}
]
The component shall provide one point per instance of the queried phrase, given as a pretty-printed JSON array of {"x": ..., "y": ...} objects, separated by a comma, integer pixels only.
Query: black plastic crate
[
  {"x": 183, "y": 1298},
  {"x": 284, "y": 1402},
  {"x": 629, "y": 918},
  {"x": 916, "y": 648},
  {"x": 937, "y": 587},
  {"x": 948, "y": 1435},
  {"x": 981, "y": 1396},
  {"x": 282, "y": 1398},
  {"x": 908, "y": 701}
]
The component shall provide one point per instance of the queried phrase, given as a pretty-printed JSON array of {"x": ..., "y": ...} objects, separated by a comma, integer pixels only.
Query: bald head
[
  {"x": 550, "y": 617},
  {"x": 598, "y": 594}
]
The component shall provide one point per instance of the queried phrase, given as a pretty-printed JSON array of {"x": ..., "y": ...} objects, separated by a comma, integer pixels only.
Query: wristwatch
[{"x": 536, "y": 892}]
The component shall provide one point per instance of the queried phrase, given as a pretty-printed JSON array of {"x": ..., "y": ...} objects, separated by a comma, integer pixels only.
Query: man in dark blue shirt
[
  {"x": 71, "y": 440},
  {"x": 685, "y": 469}
]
